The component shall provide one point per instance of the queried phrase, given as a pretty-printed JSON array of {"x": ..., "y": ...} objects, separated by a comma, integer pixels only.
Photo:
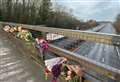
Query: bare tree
[
  {"x": 40, "y": 12},
  {"x": 117, "y": 24}
]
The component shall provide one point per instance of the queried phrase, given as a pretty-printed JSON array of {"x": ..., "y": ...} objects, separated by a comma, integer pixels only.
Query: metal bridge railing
[
  {"x": 85, "y": 62},
  {"x": 106, "y": 38}
]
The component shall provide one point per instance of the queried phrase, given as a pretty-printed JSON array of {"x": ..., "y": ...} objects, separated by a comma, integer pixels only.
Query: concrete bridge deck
[{"x": 15, "y": 66}]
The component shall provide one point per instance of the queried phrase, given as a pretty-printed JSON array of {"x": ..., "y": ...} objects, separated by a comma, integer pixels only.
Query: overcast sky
[{"x": 93, "y": 9}]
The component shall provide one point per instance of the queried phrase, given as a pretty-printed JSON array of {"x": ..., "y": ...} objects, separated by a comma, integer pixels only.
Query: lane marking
[{"x": 118, "y": 53}]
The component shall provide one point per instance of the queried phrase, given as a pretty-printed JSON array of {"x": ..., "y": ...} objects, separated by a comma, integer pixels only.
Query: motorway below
[
  {"x": 103, "y": 53},
  {"x": 73, "y": 42}
]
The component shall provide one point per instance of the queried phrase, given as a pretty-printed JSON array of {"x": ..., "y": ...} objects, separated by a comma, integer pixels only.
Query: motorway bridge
[{"x": 98, "y": 53}]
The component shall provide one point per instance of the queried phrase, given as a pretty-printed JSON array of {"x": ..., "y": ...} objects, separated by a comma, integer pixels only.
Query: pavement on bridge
[{"x": 15, "y": 66}]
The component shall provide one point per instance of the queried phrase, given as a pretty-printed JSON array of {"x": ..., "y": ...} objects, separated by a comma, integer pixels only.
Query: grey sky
[{"x": 93, "y": 9}]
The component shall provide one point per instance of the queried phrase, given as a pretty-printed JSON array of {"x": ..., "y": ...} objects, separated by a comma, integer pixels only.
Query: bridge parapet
[
  {"x": 112, "y": 39},
  {"x": 105, "y": 38}
]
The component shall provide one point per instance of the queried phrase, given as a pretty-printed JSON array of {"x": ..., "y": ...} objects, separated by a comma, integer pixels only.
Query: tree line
[{"x": 40, "y": 12}]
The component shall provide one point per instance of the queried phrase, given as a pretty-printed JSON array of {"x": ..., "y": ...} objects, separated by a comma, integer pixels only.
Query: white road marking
[{"x": 103, "y": 59}]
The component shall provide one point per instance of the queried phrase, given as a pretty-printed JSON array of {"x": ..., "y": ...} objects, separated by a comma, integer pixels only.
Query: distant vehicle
[{"x": 52, "y": 37}]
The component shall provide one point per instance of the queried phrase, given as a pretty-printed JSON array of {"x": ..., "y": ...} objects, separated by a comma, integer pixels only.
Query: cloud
[{"x": 93, "y": 9}]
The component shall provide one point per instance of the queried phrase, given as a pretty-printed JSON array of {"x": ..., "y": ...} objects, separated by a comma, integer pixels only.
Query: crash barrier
[
  {"x": 85, "y": 62},
  {"x": 106, "y": 38}
]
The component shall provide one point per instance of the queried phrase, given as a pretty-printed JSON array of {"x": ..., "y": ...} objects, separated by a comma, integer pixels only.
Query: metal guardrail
[
  {"x": 85, "y": 62},
  {"x": 106, "y": 38}
]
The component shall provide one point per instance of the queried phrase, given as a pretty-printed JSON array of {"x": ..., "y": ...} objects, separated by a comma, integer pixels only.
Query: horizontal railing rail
[
  {"x": 106, "y": 38},
  {"x": 87, "y": 63}
]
